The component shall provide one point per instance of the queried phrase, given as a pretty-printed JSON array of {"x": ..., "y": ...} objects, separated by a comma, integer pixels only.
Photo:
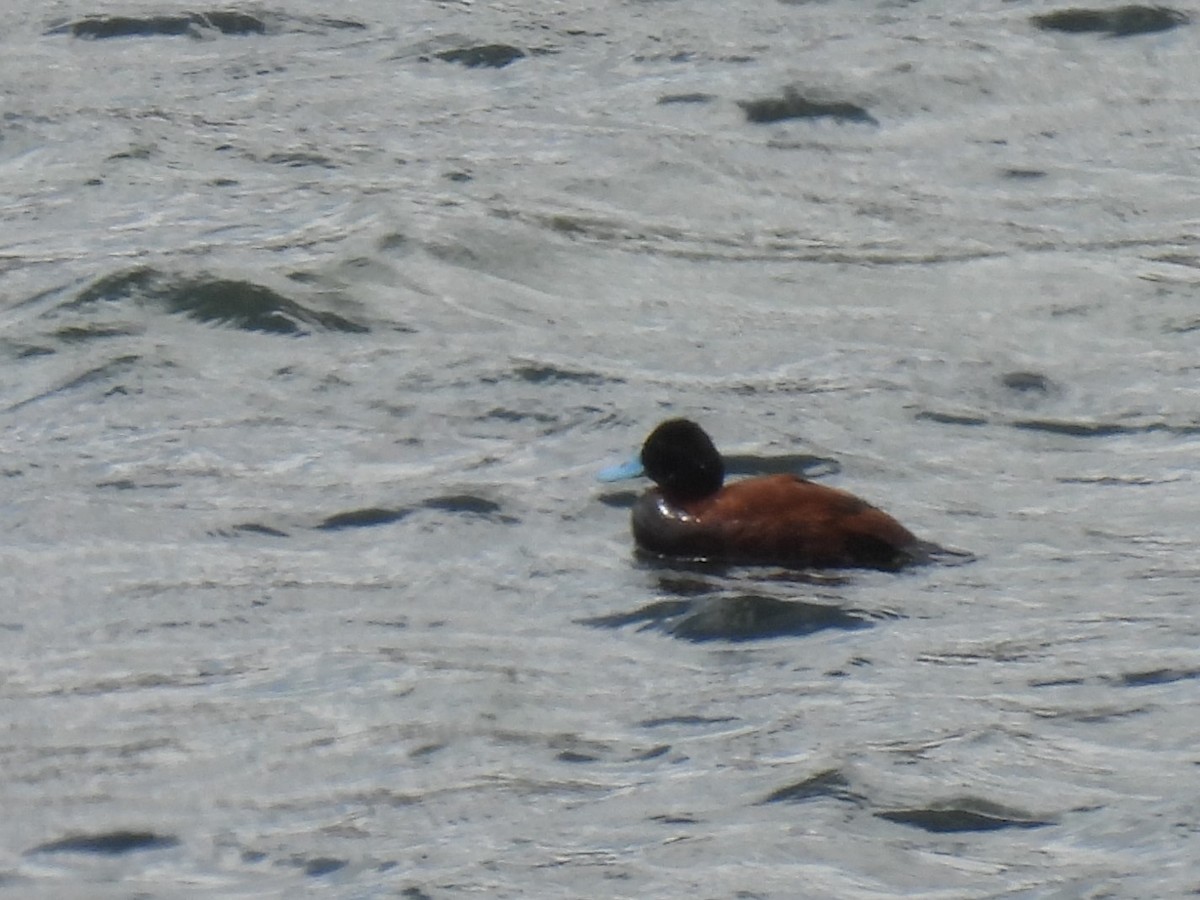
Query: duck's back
[{"x": 774, "y": 519}]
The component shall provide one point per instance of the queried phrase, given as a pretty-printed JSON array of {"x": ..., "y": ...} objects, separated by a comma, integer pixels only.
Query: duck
[{"x": 782, "y": 519}]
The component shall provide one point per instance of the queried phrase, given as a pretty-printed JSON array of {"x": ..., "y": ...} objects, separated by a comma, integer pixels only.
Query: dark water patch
[
  {"x": 668, "y": 99},
  {"x": 427, "y": 750},
  {"x": 1120, "y": 21},
  {"x": 363, "y": 518},
  {"x": 1022, "y": 174},
  {"x": 29, "y": 351},
  {"x": 250, "y": 307},
  {"x": 830, "y": 783},
  {"x": 1154, "y": 676},
  {"x": 962, "y": 815},
  {"x": 792, "y": 105},
  {"x": 753, "y": 617},
  {"x": 1058, "y": 682},
  {"x": 140, "y": 153},
  {"x": 1122, "y": 480},
  {"x": 240, "y": 304},
  {"x": 322, "y": 23},
  {"x": 415, "y": 893},
  {"x": 688, "y": 56},
  {"x": 745, "y": 617},
  {"x": 573, "y": 756},
  {"x": 1073, "y": 429},
  {"x": 945, "y": 418},
  {"x": 549, "y": 374},
  {"x": 78, "y": 334},
  {"x": 572, "y": 749},
  {"x": 466, "y": 504},
  {"x": 457, "y": 504},
  {"x": 126, "y": 484},
  {"x": 575, "y": 225},
  {"x": 108, "y": 843},
  {"x": 674, "y": 819},
  {"x": 192, "y": 24},
  {"x": 494, "y": 56},
  {"x": 1102, "y": 429},
  {"x": 199, "y": 24},
  {"x": 322, "y": 865},
  {"x": 1027, "y": 382},
  {"x": 300, "y": 159},
  {"x": 651, "y": 753},
  {"x": 121, "y": 484},
  {"x": 512, "y": 415},
  {"x": 259, "y": 528}
]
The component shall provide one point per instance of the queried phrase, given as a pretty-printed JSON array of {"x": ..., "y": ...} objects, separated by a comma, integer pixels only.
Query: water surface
[{"x": 317, "y": 327}]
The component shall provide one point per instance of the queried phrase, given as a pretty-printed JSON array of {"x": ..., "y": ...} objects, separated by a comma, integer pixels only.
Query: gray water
[{"x": 315, "y": 335}]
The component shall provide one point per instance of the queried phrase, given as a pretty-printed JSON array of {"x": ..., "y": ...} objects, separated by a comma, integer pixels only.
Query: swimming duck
[{"x": 771, "y": 519}]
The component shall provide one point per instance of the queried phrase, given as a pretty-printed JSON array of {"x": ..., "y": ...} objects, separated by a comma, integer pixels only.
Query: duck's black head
[{"x": 682, "y": 460}]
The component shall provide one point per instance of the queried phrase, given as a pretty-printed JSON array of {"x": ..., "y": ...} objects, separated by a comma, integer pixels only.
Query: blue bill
[{"x": 631, "y": 469}]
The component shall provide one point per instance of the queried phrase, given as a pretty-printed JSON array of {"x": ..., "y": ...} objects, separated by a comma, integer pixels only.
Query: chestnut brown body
[{"x": 779, "y": 519}]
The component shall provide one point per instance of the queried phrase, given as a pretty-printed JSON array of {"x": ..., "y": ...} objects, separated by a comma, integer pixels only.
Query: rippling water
[{"x": 318, "y": 325}]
